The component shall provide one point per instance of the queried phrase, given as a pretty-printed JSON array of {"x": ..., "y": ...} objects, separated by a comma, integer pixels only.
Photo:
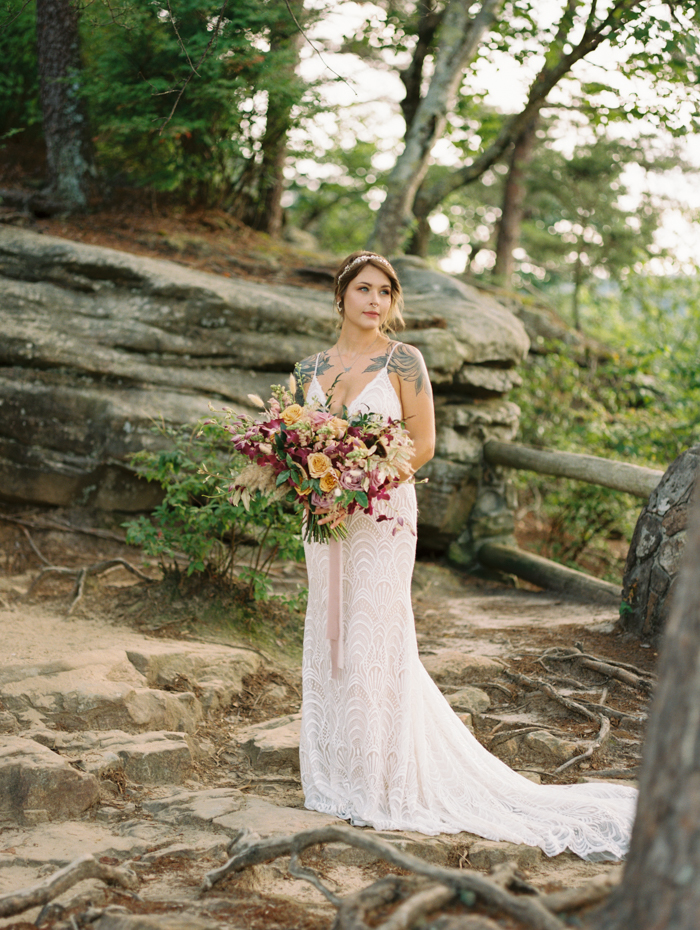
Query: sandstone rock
[
  {"x": 228, "y": 810},
  {"x": 485, "y": 854},
  {"x": 451, "y": 666},
  {"x": 103, "y": 705},
  {"x": 275, "y": 743},
  {"x": 196, "y": 808},
  {"x": 8, "y": 722},
  {"x": 269, "y": 820},
  {"x": 101, "y": 691},
  {"x": 95, "y": 343},
  {"x": 471, "y": 700},
  {"x": 657, "y": 547},
  {"x": 540, "y": 747},
  {"x": 147, "y": 758},
  {"x": 216, "y": 672},
  {"x": 485, "y": 330},
  {"x": 35, "y": 779}
]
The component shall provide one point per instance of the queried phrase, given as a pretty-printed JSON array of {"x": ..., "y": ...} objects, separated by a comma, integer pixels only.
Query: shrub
[{"x": 197, "y": 522}]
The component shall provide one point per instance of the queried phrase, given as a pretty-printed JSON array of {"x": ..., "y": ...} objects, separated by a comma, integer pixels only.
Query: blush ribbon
[{"x": 334, "y": 623}]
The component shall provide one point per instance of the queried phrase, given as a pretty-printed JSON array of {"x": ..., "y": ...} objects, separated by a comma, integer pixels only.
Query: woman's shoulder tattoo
[
  {"x": 304, "y": 371},
  {"x": 406, "y": 362}
]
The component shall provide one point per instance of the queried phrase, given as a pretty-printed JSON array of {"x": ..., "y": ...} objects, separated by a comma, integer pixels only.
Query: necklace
[{"x": 357, "y": 355}]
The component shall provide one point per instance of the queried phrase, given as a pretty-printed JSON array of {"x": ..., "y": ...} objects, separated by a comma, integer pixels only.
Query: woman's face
[{"x": 367, "y": 299}]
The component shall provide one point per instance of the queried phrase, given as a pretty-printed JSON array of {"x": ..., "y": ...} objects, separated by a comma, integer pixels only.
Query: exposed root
[
  {"x": 251, "y": 850},
  {"x": 537, "y": 684},
  {"x": 599, "y": 741},
  {"x": 85, "y": 867},
  {"x": 573, "y": 899},
  {"x": 621, "y": 671},
  {"x": 81, "y": 575},
  {"x": 418, "y": 906}
]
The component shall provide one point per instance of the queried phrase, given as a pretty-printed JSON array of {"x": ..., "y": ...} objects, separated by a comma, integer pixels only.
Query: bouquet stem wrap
[{"x": 334, "y": 623}]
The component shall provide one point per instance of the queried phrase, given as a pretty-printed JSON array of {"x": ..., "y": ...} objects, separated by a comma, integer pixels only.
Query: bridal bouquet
[{"x": 327, "y": 465}]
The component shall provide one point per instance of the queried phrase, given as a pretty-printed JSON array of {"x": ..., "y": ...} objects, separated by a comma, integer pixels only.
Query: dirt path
[{"x": 177, "y": 742}]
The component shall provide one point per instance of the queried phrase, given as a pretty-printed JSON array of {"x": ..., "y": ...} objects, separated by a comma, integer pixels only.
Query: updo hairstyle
[{"x": 351, "y": 267}]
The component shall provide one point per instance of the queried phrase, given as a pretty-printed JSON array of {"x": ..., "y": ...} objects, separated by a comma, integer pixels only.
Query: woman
[{"x": 380, "y": 746}]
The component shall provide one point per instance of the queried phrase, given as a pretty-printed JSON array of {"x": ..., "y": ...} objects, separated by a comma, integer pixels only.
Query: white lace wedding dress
[{"x": 380, "y": 746}]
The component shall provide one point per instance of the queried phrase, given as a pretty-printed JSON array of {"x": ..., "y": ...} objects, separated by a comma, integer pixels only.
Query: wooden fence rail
[{"x": 633, "y": 479}]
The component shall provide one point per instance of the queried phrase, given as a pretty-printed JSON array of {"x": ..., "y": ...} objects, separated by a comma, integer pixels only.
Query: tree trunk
[
  {"x": 264, "y": 212},
  {"x": 412, "y": 76},
  {"x": 576, "y": 294},
  {"x": 513, "y": 207},
  {"x": 420, "y": 240},
  {"x": 66, "y": 130},
  {"x": 458, "y": 41},
  {"x": 563, "y": 55},
  {"x": 661, "y": 883}
]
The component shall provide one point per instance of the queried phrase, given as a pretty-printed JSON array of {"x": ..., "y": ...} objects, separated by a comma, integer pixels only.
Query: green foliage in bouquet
[{"x": 197, "y": 521}]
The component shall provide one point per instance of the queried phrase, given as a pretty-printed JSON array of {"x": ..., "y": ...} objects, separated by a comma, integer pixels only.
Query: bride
[{"x": 380, "y": 746}]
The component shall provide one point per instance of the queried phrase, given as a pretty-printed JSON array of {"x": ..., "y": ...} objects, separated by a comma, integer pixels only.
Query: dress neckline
[{"x": 381, "y": 372}]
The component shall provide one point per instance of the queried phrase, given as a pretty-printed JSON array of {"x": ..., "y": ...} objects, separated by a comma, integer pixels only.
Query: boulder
[
  {"x": 656, "y": 550},
  {"x": 96, "y": 343},
  {"x": 486, "y": 854},
  {"x": 454, "y": 667},
  {"x": 273, "y": 744},
  {"x": 469, "y": 700},
  {"x": 157, "y": 758},
  {"x": 215, "y": 672},
  {"x": 540, "y": 747},
  {"x": 38, "y": 785}
]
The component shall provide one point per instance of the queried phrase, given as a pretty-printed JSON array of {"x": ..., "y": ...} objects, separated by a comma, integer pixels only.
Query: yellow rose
[
  {"x": 291, "y": 414},
  {"x": 329, "y": 481},
  {"x": 339, "y": 427},
  {"x": 318, "y": 464}
]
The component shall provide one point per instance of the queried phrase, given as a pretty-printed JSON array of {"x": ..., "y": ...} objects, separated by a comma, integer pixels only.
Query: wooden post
[
  {"x": 632, "y": 479},
  {"x": 547, "y": 574}
]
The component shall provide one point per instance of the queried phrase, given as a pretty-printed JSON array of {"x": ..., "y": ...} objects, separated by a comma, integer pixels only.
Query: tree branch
[{"x": 428, "y": 198}]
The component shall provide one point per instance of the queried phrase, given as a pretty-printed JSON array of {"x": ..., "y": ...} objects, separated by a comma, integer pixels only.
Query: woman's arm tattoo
[{"x": 405, "y": 363}]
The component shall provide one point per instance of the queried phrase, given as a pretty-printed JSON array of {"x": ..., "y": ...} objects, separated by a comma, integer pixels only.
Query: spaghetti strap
[
  {"x": 388, "y": 359},
  {"x": 318, "y": 355}
]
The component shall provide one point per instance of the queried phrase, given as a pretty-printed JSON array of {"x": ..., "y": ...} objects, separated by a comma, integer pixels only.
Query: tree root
[
  {"x": 573, "y": 899},
  {"x": 429, "y": 899},
  {"x": 599, "y": 741},
  {"x": 251, "y": 850},
  {"x": 55, "y": 526},
  {"x": 537, "y": 684},
  {"x": 85, "y": 867},
  {"x": 621, "y": 671},
  {"x": 81, "y": 574}
]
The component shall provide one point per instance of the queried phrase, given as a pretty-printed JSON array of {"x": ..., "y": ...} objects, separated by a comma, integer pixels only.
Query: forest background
[{"x": 378, "y": 124}]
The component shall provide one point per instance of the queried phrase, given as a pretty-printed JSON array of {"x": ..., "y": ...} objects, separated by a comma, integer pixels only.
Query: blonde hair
[{"x": 351, "y": 267}]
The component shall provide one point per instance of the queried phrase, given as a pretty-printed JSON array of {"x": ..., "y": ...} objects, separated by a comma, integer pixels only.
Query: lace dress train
[{"x": 380, "y": 746}]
